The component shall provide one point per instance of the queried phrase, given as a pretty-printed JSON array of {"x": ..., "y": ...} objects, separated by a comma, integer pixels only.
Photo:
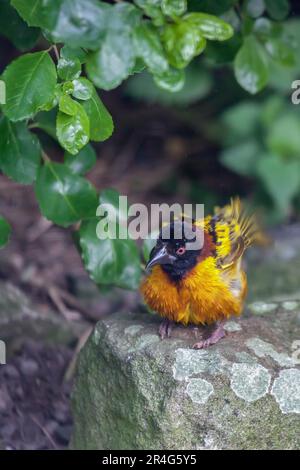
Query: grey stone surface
[
  {"x": 134, "y": 391},
  {"x": 20, "y": 320}
]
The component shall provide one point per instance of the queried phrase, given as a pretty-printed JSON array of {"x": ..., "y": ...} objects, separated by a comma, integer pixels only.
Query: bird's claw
[
  {"x": 216, "y": 335},
  {"x": 165, "y": 329}
]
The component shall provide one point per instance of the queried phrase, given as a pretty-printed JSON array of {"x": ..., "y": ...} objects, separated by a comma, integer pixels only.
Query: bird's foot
[
  {"x": 215, "y": 336},
  {"x": 165, "y": 328}
]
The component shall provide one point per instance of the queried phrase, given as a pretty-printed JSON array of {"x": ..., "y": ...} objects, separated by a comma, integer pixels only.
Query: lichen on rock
[{"x": 135, "y": 391}]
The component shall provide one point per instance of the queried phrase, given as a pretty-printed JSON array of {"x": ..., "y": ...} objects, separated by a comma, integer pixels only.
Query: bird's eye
[{"x": 180, "y": 251}]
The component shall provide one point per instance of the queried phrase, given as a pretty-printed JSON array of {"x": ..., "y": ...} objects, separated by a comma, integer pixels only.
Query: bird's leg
[
  {"x": 165, "y": 328},
  {"x": 217, "y": 334}
]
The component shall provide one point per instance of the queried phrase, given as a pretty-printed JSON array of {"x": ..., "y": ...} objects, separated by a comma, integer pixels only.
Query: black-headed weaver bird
[{"x": 204, "y": 286}]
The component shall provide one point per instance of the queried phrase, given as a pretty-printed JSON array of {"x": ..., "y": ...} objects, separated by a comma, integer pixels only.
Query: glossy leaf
[
  {"x": 109, "y": 66},
  {"x": 172, "y": 80},
  {"x": 73, "y": 132},
  {"x": 30, "y": 85},
  {"x": 46, "y": 121},
  {"x": 173, "y": 7},
  {"x": 78, "y": 23},
  {"x": 113, "y": 62},
  {"x": 20, "y": 151},
  {"x": 152, "y": 8},
  {"x": 15, "y": 29},
  {"x": 82, "y": 89},
  {"x": 210, "y": 26},
  {"x": 71, "y": 53},
  {"x": 5, "y": 231},
  {"x": 82, "y": 162},
  {"x": 149, "y": 48},
  {"x": 67, "y": 105},
  {"x": 251, "y": 66},
  {"x": 68, "y": 69},
  {"x": 64, "y": 197},
  {"x": 101, "y": 123},
  {"x": 111, "y": 197},
  {"x": 109, "y": 261},
  {"x": 182, "y": 43},
  {"x": 67, "y": 88}
]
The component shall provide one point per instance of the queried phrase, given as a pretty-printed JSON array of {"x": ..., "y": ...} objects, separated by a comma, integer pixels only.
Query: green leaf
[
  {"x": 266, "y": 29},
  {"x": 64, "y": 197},
  {"x": 113, "y": 62},
  {"x": 111, "y": 197},
  {"x": 280, "y": 51},
  {"x": 284, "y": 135},
  {"x": 149, "y": 48},
  {"x": 77, "y": 23},
  {"x": 15, "y": 29},
  {"x": 71, "y": 53},
  {"x": 68, "y": 69},
  {"x": 109, "y": 66},
  {"x": 242, "y": 158},
  {"x": 83, "y": 89},
  {"x": 210, "y": 26},
  {"x": 54, "y": 101},
  {"x": 67, "y": 105},
  {"x": 101, "y": 123},
  {"x": 255, "y": 8},
  {"x": 67, "y": 88},
  {"x": 251, "y": 66},
  {"x": 197, "y": 85},
  {"x": 173, "y": 80},
  {"x": 173, "y": 7},
  {"x": 279, "y": 9},
  {"x": 242, "y": 120},
  {"x": 152, "y": 8},
  {"x": 46, "y": 121},
  {"x": 272, "y": 108},
  {"x": 5, "y": 231},
  {"x": 83, "y": 161},
  {"x": 182, "y": 42},
  {"x": 109, "y": 261},
  {"x": 30, "y": 84},
  {"x": 73, "y": 132},
  {"x": 20, "y": 151},
  {"x": 280, "y": 178}
]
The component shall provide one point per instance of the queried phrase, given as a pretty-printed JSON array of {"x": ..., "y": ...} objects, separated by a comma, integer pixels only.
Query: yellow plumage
[{"x": 215, "y": 287}]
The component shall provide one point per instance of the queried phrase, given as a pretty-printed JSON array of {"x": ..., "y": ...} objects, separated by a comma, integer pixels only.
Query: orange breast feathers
[
  {"x": 214, "y": 285},
  {"x": 201, "y": 297}
]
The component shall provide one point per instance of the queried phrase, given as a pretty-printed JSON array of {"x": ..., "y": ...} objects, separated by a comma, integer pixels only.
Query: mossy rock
[
  {"x": 20, "y": 320},
  {"x": 134, "y": 391}
]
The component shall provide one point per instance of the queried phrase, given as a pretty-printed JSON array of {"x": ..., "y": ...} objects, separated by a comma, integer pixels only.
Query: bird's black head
[{"x": 173, "y": 250}]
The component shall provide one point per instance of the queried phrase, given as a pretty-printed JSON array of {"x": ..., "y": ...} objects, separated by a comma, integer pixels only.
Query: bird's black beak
[{"x": 159, "y": 256}]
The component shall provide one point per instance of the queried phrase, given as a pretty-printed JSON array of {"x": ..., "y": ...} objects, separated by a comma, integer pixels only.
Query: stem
[
  {"x": 56, "y": 52},
  {"x": 45, "y": 157},
  {"x": 33, "y": 125}
]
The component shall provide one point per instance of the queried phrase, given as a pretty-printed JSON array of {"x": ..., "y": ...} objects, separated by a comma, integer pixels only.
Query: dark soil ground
[{"x": 35, "y": 399}]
